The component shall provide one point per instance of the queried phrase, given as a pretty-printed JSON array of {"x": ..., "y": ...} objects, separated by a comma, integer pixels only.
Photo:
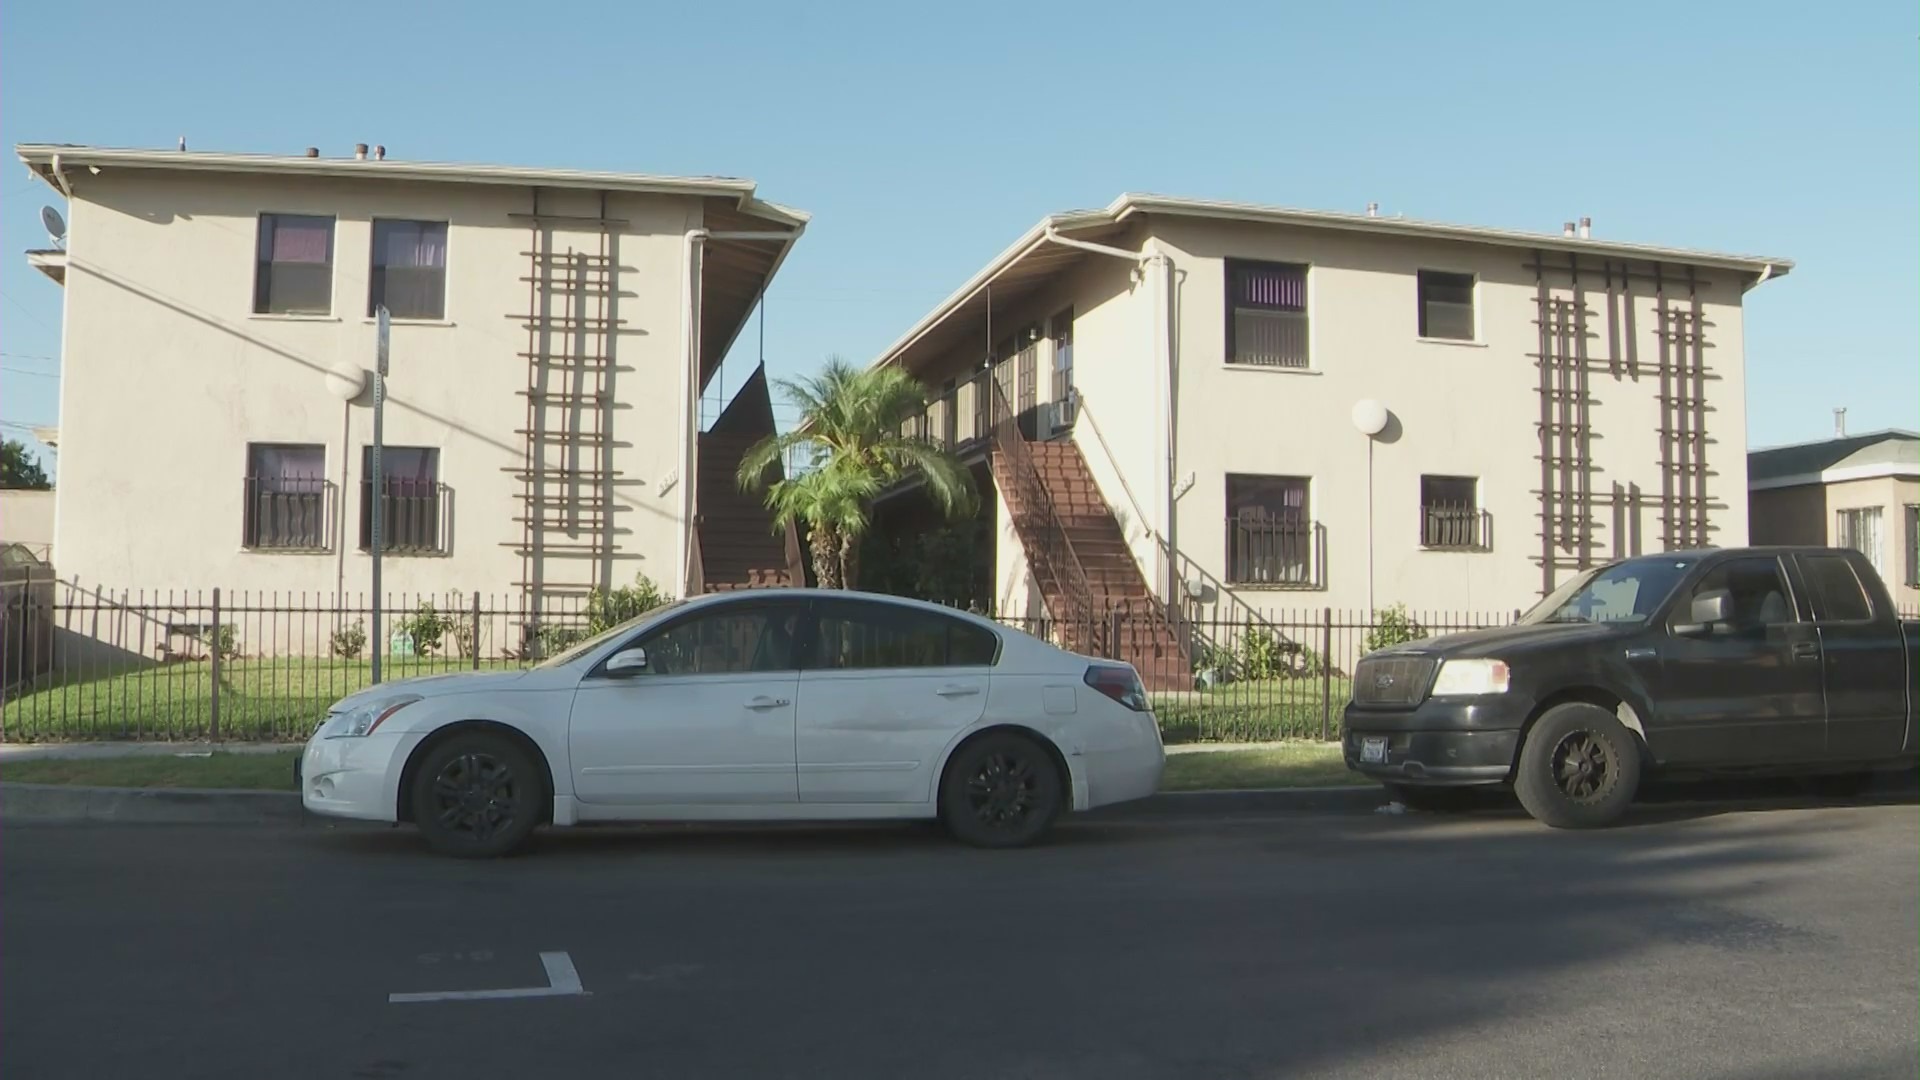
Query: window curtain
[{"x": 1275, "y": 288}]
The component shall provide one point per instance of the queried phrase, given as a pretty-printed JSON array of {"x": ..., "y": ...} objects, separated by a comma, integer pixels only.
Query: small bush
[
  {"x": 350, "y": 641},
  {"x": 607, "y": 609},
  {"x": 225, "y": 642},
  {"x": 1393, "y": 627},
  {"x": 1260, "y": 654},
  {"x": 427, "y": 627}
]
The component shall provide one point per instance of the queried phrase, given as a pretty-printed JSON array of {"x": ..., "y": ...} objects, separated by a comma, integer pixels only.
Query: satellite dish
[{"x": 55, "y": 224}]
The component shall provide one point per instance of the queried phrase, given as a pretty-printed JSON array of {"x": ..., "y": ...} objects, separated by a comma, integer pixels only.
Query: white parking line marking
[{"x": 563, "y": 980}]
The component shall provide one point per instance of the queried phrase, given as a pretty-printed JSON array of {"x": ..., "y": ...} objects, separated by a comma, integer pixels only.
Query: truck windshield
[{"x": 1627, "y": 592}]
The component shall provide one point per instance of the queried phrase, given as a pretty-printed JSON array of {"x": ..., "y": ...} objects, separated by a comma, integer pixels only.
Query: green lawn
[
  {"x": 259, "y": 699},
  {"x": 1294, "y": 764},
  {"x": 254, "y": 772},
  {"x": 1264, "y": 710}
]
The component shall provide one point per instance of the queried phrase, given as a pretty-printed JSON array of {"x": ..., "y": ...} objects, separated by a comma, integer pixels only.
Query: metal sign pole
[{"x": 376, "y": 487}]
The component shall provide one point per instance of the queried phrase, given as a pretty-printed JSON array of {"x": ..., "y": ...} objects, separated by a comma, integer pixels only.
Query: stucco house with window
[
  {"x": 1202, "y": 409},
  {"x": 552, "y": 330},
  {"x": 1857, "y": 491}
]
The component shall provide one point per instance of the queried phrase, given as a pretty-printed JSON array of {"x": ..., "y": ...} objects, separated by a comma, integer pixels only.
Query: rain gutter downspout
[
  {"x": 690, "y": 334},
  {"x": 1165, "y": 349},
  {"x": 60, "y": 177}
]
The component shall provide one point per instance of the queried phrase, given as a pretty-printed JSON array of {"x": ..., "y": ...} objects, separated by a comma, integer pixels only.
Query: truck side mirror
[{"x": 1708, "y": 610}]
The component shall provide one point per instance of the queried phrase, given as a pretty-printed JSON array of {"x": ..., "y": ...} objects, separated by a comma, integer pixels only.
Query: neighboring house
[
  {"x": 1857, "y": 491},
  {"x": 552, "y": 331},
  {"x": 26, "y": 518},
  {"x": 1187, "y": 379}
]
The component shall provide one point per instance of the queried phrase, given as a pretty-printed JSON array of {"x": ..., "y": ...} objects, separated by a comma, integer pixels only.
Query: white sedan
[{"x": 775, "y": 705}]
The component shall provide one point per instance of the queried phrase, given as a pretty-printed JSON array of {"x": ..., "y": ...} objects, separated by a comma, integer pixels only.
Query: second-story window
[
  {"x": 1446, "y": 305},
  {"x": 409, "y": 269},
  {"x": 293, "y": 272},
  {"x": 1267, "y": 314}
]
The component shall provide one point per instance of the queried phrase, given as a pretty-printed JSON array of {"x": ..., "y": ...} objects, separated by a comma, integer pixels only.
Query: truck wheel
[{"x": 1579, "y": 768}]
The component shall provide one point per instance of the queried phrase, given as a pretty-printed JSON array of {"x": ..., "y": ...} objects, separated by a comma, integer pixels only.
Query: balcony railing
[
  {"x": 1455, "y": 527},
  {"x": 1265, "y": 549},
  {"x": 416, "y": 515},
  {"x": 287, "y": 514},
  {"x": 961, "y": 419}
]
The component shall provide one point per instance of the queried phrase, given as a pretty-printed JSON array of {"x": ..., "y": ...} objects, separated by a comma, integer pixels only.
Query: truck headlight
[
  {"x": 1465, "y": 678},
  {"x": 361, "y": 721}
]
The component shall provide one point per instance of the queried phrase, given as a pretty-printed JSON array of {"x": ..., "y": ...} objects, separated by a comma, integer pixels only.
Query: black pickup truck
[{"x": 1747, "y": 660}]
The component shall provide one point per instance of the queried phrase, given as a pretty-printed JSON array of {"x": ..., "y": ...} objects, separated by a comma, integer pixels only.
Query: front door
[
  {"x": 887, "y": 688},
  {"x": 708, "y": 721},
  {"x": 1746, "y": 691},
  {"x": 1864, "y": 664}
]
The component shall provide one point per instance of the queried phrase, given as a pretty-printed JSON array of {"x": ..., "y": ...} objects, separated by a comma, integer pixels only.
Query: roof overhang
[
  {"x": 51, "y": 262},
  {"x": 1017, "y": 270},
  {"x": 58, "y": 165},
  {"x": 1840, "y": 474}
]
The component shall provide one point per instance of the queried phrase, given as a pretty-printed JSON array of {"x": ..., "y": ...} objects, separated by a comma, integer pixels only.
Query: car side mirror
[
  {"x": 1708, "y": 610},
  {"x": 627, "y": 662}
]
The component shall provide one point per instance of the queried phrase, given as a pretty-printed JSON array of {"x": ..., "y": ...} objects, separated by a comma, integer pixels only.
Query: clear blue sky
[{"x": 923, "y": 143}]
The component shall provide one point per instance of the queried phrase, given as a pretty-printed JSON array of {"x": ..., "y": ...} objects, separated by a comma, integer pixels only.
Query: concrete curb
[{"x": 69, "y": 803}]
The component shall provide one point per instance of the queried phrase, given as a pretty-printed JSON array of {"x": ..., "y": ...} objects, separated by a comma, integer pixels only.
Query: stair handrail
[
  {"x": 1174, "y": 617},
  {"x": 1036, "y": 502}
]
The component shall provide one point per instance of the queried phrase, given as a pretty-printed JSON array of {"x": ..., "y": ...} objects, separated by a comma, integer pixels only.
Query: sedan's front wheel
[
  {"x": 1000, "y": 790},
  {"x": 477, "y": 796}
]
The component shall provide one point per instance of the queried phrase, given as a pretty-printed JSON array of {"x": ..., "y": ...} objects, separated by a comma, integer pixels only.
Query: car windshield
[
  {"x": 574, "y": 652},
  {"x": 1627, "y": 592}
]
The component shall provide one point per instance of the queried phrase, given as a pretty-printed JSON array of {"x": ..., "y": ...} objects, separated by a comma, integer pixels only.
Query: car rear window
[{"x": 1838, "y": 595}]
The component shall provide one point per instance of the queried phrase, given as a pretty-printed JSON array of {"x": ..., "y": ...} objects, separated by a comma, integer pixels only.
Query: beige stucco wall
[
  {"x": 1457, "y": 408},
  {"x": 168, "y": 376},
  {"x": 1892, "y": 495},
  {"x": 26, "y": 517}
]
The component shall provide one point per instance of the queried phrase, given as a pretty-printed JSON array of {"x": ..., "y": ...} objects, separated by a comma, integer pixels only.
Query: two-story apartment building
[
  {"x": 1228, "y": 407},
  {"x": 551, "y": 333}
]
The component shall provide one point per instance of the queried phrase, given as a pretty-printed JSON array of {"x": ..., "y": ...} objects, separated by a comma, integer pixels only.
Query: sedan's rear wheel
[
  {"x": 1000, "y": 790},
  {"x": 477, "y": 796}
]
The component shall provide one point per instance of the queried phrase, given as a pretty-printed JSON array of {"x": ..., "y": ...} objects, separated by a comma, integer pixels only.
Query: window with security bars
[
  {"x": 1267, "y": 314},
  {"x": 1450, "y": 515},
  {"x": 293, "y": 270},
  {"x": 286, "y": 498},
  {"x": 1859, "y": 528},
  {"x": 409, "y": 273},
  {"x": 1270, "y": 537},
  {"x": 1446, "y": 305},
  {"x": 413, "y": 500}
]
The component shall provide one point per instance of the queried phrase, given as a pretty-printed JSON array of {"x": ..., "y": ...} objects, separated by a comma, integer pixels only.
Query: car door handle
[
  {"x": 951, "y": 690},
  {"x": 1806, "y": 650},
  {"x": 765, "y": 702}
]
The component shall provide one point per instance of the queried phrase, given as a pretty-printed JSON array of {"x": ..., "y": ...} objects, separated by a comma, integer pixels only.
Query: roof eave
[{"x": 1126, "y": 205}]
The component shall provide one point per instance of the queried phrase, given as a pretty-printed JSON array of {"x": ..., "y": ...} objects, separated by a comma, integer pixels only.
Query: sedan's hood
[
  {"x": 1502, "y": 641},
  {"x": 458, "y": 682}
]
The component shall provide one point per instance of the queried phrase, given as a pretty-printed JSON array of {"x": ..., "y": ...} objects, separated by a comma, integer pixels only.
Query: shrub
[
  {"x": 225, "y": 642},
  {"x": 1393, "y": 627},
  {"x": 1260, "y": 654},
  {"x": 608, "y": 609},
  {"x": 426, "y": 626},
  {"x": 350, "y": 641}
]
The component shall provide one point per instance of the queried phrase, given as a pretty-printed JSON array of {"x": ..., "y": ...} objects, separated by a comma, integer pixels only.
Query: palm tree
[{"x": 851, "y": 421}]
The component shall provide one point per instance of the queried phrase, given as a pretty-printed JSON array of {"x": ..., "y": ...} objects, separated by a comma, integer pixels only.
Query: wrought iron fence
[{"x": 210, "y": 664}]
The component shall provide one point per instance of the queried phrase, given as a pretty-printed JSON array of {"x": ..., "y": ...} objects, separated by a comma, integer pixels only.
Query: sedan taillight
[{"x": 1118, "y": 682}]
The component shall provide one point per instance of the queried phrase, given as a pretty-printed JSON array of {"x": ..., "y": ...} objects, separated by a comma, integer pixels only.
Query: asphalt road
[{"x": 1698, "y": 942}]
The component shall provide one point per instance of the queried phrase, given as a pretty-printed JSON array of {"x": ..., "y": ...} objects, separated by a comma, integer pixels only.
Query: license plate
[{"x": 1373, "y": 750}]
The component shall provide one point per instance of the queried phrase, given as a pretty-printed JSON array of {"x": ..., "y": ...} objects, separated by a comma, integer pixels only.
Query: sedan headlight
[
  {"x": 1462, "y": 678},
  {"x": 360, "y": 721}
]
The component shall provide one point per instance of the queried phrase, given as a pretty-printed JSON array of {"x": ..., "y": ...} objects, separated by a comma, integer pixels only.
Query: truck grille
[{"x": 1393, "y": 680}]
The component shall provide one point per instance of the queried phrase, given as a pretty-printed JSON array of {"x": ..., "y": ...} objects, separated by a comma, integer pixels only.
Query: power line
[
  {"x": 29, "y": 356},
  {"x": 29, "y": 371},
  {"x": 28, "y": 312}
]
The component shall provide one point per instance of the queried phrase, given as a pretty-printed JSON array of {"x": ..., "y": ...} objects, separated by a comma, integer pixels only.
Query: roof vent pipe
[
  {"x": 1839, "y": 423},
  {"x": 313, "y": 151},
  {"x": 1586, "y": 228},
  {"x": 1373, "y": 209},
  {"x": 359, "y": 151},
  {"x": 1566, "y": 229},
  {"x": 379, "y": 153}
]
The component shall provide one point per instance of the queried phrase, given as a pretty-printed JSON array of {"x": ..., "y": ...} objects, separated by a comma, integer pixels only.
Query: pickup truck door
[
  {"x": 1743, "y": 692},
  {"x": 1864, "y": 662}
]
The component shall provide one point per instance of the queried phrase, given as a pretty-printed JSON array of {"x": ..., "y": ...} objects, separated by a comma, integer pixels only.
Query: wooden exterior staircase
[
  {"x": 1086, "y": 573},
  {"x": 739, "y": 547}
]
